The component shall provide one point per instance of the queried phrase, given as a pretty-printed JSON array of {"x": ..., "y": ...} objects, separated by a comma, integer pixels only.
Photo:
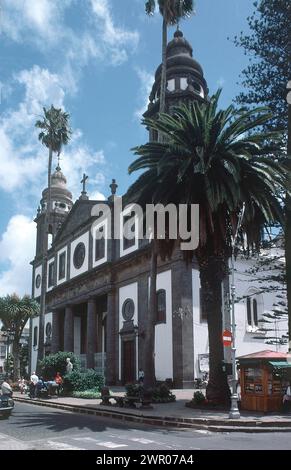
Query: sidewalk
[{"x": 170, "y": 414}]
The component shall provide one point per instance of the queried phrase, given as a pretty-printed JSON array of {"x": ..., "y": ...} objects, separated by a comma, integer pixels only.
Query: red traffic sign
[{"x": 227, "y": 338}]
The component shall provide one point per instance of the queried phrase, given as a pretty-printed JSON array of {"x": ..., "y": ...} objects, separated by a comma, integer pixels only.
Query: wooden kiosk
[{"x": 262, "y": 382}]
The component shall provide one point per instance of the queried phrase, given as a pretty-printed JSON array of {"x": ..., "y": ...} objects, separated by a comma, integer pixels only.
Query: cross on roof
[{"x": 83, "y": 181}]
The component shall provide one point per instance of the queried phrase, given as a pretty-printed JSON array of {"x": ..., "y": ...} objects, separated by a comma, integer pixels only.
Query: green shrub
[
  {"x": 133, "y": 390},
  {"x": 82, "y": 381},
  {"x": 92, "y": 393},
  {"x": 198, "y": 398},
  {"x": 54, "y": 363},
  {"x": 162, "y": 394}
]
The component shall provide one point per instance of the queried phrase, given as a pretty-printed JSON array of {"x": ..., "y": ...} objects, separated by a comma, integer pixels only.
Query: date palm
[
  {"x": 218, "y": 159},
  {"x": 55, "y": 133},
  {"x": 172, "y": 11},
  {"x": 14, "y": 315}
]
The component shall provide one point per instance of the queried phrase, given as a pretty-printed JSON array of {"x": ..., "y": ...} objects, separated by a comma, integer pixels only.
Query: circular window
[
  {"x": 128, "y": 309},
  {"x": 38, "y": 281},
  {"x": 48, "y": 330},
  {"x": 79, "y": 255}
]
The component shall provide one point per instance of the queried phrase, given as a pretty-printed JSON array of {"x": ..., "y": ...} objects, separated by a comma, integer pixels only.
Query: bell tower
[
  {"x": 61, "y": 204},
  {"x": 185, "y": 79}
]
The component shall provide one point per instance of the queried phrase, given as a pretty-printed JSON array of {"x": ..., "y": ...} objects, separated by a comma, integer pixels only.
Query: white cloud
[
  {"x": 17, "y": 249},
  {"x": 42, "y": 23},
  {"x": 22, "y": 158},
  {"x": 115, "y": 40},
  {"x": 33, "y": 20},
  {"x": 146, "y": 83}
]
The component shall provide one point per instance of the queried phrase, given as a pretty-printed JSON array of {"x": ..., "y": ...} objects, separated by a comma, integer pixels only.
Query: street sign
[{"x": 227, "y": 338}]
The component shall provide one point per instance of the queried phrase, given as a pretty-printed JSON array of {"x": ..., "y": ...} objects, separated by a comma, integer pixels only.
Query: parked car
[{"x": 6, "y": 406}]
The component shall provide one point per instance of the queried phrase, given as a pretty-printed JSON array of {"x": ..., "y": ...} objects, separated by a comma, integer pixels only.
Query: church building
[{"x": 97, "y": 290}]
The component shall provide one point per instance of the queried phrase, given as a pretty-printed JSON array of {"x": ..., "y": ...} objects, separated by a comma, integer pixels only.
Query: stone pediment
[{"x": 79, "y": 217}]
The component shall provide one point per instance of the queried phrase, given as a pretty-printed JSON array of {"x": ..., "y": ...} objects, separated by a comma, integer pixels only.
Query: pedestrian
[
  {"x": 140, "y": 376},
  {"x": 32, "y": 385},
  {"x": 69, "y": 366},
  {"x": 287, "y": 396}
]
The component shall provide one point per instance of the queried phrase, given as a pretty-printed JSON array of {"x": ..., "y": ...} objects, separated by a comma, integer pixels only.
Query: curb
[{"x": 170, "y": 421}]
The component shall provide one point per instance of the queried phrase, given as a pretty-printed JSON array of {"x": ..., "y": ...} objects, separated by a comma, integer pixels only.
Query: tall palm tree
[
  {"x": 172, "y": 11},
  {"x": 210, "y": 158},
  {"x": 55, "y": 132},
  {"x": 14, "y": 315}
]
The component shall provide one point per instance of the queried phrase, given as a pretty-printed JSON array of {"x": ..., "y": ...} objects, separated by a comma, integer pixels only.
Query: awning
[{"x": 280, "y": 364}]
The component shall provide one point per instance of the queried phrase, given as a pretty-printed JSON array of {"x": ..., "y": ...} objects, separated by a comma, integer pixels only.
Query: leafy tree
[
  {"x": 209, "y": 158},
  {"x": 54, "y": 363},
  {"x": 14, "y": 314},
  {"x": 172, "y": 11},
  {"x": 265, "y": 78},
  {"x": 265, "y": 81},
  {"x": 55, "y": 132}
]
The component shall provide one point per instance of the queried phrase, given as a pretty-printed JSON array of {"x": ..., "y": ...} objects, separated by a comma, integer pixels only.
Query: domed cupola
[
  {"x": 61, "y": 197},
  {"x": 185, "y": 79}
]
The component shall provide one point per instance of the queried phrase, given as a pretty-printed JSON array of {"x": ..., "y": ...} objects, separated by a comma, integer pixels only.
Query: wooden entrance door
[{"x": 128, "y": 362}]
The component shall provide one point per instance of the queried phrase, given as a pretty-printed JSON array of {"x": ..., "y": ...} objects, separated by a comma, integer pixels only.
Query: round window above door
[
  {"x": 79, "y": 255},
  {"x": 128, "y": 309},
  {"x": 38, "y": 281}
]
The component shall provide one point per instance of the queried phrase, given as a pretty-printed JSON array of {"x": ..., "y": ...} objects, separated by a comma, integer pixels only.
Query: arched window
[
  {"x": 35, "y": 335},
  {"x": 254, "y": 307},
  {"x": 161, "y": 306}
]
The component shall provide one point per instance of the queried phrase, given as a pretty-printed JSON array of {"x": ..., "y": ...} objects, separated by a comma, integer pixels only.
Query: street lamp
[{"x": 234, "y": 411}]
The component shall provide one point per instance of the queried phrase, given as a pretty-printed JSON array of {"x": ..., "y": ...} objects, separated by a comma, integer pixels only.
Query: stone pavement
[{"x": 170, "y": 414}]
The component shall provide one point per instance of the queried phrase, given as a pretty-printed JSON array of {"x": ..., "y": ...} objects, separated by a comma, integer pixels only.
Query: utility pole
[{"x": 234, "y": 411}]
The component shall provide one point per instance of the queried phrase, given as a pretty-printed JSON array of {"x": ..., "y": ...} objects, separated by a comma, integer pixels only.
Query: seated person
[
  {"x": 287, "y": 396},
  {"x": 22, "y": 385},
  {"x": 41, "y": 385},
  {"x": 51, "y": 387},
  {"x": 6, "y": 390},
  {"x": 59, "y": 382}
]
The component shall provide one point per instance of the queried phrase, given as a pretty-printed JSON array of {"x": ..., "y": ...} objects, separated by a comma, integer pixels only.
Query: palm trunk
[
  {"x": 16, "y": 359},
  {"x": 288, "y": 231},
  {"x": 212, "y": 271},
  {"x": 40, "y": 353},
  {"x": 164, "y": 67},
  {"x": 149, "y": 344}
]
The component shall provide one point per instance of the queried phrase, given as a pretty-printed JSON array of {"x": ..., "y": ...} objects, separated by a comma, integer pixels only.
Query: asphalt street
[{"x": 41, "y": 428}]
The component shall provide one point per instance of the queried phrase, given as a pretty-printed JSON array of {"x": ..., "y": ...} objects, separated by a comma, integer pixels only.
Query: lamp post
[{"x": 234, "y": 411}]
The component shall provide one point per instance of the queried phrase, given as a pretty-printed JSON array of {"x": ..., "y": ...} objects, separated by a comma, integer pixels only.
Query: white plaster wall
[
  {"x": 135, "y": 245},
  {"x": 105, "y": 229},
  {"x": 62, "y": 250},
  {"x": 247, "y": 283},
  {"x": 48, "y": 319},
  {"x": 200, "y": 330},
  {"x": 50, "y": 261},
  {"x": 85, "y": 239},
  {"x": 163, "y": 336},
  {"x": 38, "y": 271},
  {"x": 128, "y": 292},
  {"x": 246, "y": 342}
]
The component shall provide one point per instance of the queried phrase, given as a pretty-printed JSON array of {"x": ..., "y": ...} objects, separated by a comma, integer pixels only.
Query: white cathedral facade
[{"x": 97, "y": 291}]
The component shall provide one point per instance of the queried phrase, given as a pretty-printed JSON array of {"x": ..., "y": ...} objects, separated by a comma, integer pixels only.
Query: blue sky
[{"x": 96, "y": 59}]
